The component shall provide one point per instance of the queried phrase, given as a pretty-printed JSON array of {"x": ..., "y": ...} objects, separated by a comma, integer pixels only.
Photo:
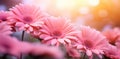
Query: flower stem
[
  {"x": 84, "y": 55},
  {"x": 23, "y": 32}
]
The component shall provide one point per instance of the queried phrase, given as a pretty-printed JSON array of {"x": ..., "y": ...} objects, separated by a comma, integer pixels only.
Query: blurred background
[{"x": 99, "y": 14}]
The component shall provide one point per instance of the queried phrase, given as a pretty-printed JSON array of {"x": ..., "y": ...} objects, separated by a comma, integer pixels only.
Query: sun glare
[
  {"x": 93, "y": 2},
  {"x": 61, "y": 4}
]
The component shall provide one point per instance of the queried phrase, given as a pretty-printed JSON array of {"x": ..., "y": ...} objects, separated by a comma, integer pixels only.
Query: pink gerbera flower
[
  {"x": 112, "y": 52},
  {"x": 112, "y": 35},
  {"x": 9, "y": 45},
  {"x": 27, "y": 17},
  {"x": 91, "y": 41},
  {"x": 117, "y": 44},
  {"x": 4, "y": 15},
  {"x": 58, "y": 30},
  {"x": 38, "y": 50}
]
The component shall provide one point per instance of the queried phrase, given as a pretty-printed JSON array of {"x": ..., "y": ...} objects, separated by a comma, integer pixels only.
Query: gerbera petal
[
  {"x": 61, "y": 41},
  {"x": 67, "y": 40},
  {"x": 44, "y": 31},
  {"x": 59, "y": 29},
  {"x": 47, "y": 38},
  {"x": 71, "y": 37},
  {"x": 89, "y": 53},
  {"x": 53, "y": 42}
]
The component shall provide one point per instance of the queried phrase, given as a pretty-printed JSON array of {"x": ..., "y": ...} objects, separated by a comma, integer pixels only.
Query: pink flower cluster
[{"x": 54, "y": 33}]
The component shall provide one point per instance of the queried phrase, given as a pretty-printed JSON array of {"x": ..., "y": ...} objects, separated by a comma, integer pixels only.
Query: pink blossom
[
  {"x": 9, "y": 45},
  {"x": 112, "y": 52},
  {"x": 4, "y": 15},
  {"x": 4, "y": 28},
  {"x": 112, "y": 35},
  {"x": 117, "y": 44},
  {"x": 14, "y": 47},
  {"x": 27, "y": 17},
  {"x": 91, "y": 41},
  {"x": 58, "y": 30},
  {"x": 39, "y": 49}
]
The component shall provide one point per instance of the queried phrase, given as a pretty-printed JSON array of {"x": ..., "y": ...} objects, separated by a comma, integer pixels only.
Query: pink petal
[
  {"x": 61, "y": 41},
  {"x": 53, "y": 42},
  {"x": 48, "y": 38},
  {"x": 67, "y": 40},
  {"x": 89, "y": 53}
]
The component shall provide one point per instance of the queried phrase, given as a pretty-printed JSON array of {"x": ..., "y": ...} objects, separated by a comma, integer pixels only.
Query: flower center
[
  {"x": 57, "y": 34},
  {"x": 4, "y": 19},
  {"x": 27, "y": 19},
  {"x": 88, "y": 44},
  {"x": 6, "y": 46}
]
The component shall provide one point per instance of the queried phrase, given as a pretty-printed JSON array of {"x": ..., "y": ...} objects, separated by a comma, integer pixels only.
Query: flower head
[
  {"x": 9, "y": 45},
  {"x": 112, "y": 52},
  {"x": 91, "y": 41},
  {"x": 117, "y": 44},
  {"x": 112, "y": 35},
  {"x": 27, "y": 17},
  {"x": 4, "y": 15},
  {"x": 37, "y": 49},
  {"x": 58, "y": 30}
]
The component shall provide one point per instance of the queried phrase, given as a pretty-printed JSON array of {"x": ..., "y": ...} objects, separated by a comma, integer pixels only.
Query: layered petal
[
  {"x": 91, "y": 41},
  {"x": 59, "y": 29}
]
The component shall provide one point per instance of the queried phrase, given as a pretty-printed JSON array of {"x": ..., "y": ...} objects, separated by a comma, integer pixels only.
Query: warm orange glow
[{"x": 96, "y": 13}]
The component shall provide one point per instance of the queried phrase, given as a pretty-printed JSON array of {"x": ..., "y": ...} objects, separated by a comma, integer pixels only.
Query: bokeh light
[
  {"x": 93, "y": 2},
  {"x": 61, "y": 5},
  {"x": 84, "y": 10}
]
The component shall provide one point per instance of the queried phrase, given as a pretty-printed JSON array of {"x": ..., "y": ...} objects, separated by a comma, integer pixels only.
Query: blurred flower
[
  {"x": 117, "y": 44},
  {"x": 9, "y": 45},
  {"x": 4, "y": 16},
  {"x": 4, "y": 28},
  {"x": 39, "y": 49},
  {"x": 91, "y": 41},
  {"x": 112, "y": 52},
  {"x": 27, "y": 17},
  {"x": 58, "y": 30},
  {"x": 112, "y": 35}
]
